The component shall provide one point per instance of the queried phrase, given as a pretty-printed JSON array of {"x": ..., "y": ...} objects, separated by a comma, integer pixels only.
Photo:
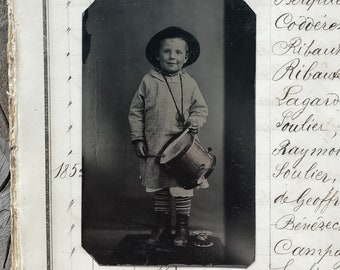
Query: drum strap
[{"x": 180, "y": 115}]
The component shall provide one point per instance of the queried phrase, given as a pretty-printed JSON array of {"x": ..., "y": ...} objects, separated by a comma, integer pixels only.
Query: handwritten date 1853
[{"x": 65, "y": 170}]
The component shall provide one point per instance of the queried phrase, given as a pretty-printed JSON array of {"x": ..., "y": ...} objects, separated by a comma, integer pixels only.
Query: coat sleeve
[
  {"x": 198, "y": 111},
  {"x": 136, "y": 114}
]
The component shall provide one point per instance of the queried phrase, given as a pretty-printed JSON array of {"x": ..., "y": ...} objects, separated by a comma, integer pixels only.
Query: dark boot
[
  {"x": 162, "y": 230},
  {"x": 182, "y": 230}
]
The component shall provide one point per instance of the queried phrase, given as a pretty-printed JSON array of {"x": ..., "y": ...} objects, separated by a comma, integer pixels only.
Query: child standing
[{"x": 167, "y": 102}]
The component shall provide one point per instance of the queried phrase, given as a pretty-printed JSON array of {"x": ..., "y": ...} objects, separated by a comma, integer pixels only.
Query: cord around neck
[{"x": 181, "y": 118}]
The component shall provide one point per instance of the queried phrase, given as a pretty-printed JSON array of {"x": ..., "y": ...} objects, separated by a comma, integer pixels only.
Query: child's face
[{"x": 172, "y": 54}]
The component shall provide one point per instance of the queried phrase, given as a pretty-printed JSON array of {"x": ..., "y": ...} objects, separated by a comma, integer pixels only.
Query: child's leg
[
  {"x": 162, "y": 203},
  {"x": 183, "y": 207},
  {"x": 162, "y": 209}
]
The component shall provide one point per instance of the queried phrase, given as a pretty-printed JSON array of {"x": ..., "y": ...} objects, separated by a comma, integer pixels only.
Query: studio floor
[{"x": 126, "y": 247}]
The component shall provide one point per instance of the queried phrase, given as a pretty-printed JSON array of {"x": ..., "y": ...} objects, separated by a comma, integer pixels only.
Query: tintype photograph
[{"x": 168, "y": 132}]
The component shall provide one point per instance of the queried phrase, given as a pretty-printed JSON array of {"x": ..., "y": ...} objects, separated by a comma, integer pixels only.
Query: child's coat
[{"x": 152, "y": 118}]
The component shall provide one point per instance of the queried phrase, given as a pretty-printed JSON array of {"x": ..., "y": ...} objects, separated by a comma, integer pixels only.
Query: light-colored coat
[{"x": 152, "y": 118}]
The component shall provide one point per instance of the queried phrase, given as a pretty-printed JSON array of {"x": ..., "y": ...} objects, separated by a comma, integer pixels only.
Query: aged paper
[
  {"x": 304, "y": 138},
  {"x": 297, "y": 141}
]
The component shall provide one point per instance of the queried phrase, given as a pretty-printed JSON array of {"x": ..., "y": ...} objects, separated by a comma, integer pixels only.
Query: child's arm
[
  {"x": 198, "y": 111},
  {"x": 136, "y": 120}
]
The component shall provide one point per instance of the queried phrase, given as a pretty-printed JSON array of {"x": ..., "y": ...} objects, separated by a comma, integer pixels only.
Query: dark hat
[{"x": 152, "y": 49}]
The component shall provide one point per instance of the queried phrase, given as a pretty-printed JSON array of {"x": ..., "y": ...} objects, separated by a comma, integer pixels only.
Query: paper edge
[{"x": 12, "y": 104}]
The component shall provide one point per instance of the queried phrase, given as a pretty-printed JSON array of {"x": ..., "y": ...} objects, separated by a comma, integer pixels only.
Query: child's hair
[{"x": 153, "y": 47}]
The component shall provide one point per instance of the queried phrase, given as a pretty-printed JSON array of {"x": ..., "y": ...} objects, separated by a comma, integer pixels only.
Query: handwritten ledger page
[
  {"x": 304, "y": 138},
  {"x": 297, "y": 135}
]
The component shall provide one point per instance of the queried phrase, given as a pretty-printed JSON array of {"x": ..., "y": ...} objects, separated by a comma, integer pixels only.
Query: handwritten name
[
  {"x": 287, "y": 247},
  {"x": 286, "y": 170},
  {"x": 298, "y": 46},
  {"x": 292, "y": 223},
  {"x": 308, "y": 3},
  {"x": 292, "y": 98},
  {"x": 288, "y": 22},
  {"x": 291, "y": 122},
  {"x": 306, "y": 199},
  {"x": 295, "y": 70},
  {"x": 286, "y": 147}
]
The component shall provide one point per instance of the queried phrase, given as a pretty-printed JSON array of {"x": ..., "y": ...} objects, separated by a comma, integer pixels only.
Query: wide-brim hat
[{"x": 152, "y": 49}]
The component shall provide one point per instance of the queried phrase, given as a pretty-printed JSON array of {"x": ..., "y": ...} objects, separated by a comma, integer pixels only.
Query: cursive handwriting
[
  {"x": 291, "y": 97},
  {"x": 285, "y": 147},
  {"x": 284, "y": 267},
  {"x": 287, "y": 247},
  {"x": 308, "y": 124},
  {"x": 308, "y": 3},
  {"x": 291, "y": 223},
  {"x": 304, "y": 199},
  {"x": 295, "y": 70},
  {"x": 285, "y": 170},
  {"x": 288, "y": 22},
  {"x": 305, "y": 192},
  {"x": 298, "y": 46}
]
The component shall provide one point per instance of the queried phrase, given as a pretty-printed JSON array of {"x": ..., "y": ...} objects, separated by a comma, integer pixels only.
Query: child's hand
[
  {"x": 193, "y": 128},
  {"x": 140, "y": 148}
]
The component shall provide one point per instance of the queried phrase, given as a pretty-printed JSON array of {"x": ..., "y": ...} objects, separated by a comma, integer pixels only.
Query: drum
[{"x": 188, "y": 160}]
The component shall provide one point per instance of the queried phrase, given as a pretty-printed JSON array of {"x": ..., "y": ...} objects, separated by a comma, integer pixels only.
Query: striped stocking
[
  {"x": 183, "y": 205},
  {"x": 162, "y": 201}
]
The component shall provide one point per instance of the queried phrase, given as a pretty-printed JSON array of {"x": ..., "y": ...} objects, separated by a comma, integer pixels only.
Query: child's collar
[
  {"x": 157, "y": 73},
  {"x": 171, "y": 74}
]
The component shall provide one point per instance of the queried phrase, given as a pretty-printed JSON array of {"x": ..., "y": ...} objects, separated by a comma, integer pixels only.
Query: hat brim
[{"x": 153, "y": 47}]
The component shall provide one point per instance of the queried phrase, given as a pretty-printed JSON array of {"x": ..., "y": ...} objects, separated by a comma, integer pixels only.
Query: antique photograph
[{"x": 168, "y": 132}]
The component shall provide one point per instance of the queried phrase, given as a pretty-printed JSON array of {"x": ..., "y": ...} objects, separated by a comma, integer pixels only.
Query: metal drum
[{"x": 188, "y": 160}]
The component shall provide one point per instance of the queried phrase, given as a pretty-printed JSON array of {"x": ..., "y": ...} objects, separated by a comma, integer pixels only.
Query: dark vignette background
[{"x": 115, "y": 34}]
